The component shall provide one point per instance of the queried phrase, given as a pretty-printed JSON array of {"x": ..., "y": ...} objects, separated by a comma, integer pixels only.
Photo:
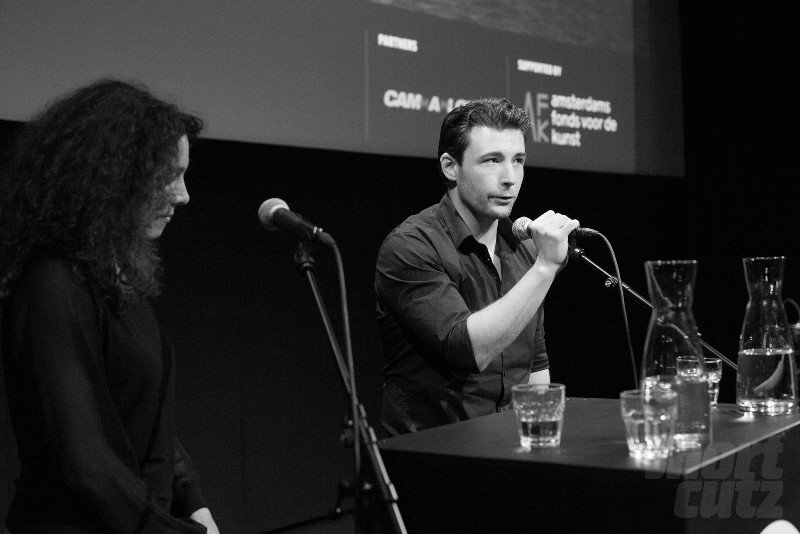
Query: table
[{"x": 473, "y": 476}]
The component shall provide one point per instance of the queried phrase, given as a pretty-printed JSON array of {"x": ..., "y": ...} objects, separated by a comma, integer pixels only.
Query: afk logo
[{"x": 538, "y": 114}]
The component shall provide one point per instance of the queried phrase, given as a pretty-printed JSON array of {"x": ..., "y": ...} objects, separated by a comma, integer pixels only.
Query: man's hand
[
  {"x": 550, "y": 231},
  {"x": 203, "y": 516}
]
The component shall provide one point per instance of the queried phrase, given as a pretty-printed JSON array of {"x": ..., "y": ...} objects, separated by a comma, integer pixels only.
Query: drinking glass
[
  {"x": 540, "y": 413},
  {"x": 649, "y": 416}
]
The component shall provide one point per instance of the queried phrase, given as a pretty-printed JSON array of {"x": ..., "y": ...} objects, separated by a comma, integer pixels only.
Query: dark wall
[{"x": 260, "y": 398}]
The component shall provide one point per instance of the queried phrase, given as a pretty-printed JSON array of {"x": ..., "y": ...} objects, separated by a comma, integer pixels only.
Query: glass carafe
[
  {"x": 766, "y": 381},
  {"x": 673, "y": 355}
]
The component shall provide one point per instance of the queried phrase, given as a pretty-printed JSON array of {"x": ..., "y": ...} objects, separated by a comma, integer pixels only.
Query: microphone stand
[
  {"x": 612, "y": 281},
  {"x": 361, "y": 428}
]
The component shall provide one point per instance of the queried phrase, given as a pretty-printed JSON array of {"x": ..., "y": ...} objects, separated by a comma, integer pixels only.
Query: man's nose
[{"x": 507, "y": 175}]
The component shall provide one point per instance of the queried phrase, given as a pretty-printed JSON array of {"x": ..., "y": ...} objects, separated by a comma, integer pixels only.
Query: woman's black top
[{"x": 92, "y": 402}]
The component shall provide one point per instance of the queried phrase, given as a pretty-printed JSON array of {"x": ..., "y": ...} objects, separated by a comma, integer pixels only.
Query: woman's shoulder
[
  {"x": 50, "y": 268},
  {"x": 50, "y": 291},
  {"x": 52, "y": 277}
]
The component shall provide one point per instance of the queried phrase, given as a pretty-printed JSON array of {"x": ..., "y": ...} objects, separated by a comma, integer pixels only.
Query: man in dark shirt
[{"x": 459, "y": 297}]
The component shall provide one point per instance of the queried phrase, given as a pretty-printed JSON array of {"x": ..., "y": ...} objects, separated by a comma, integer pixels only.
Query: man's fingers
[
  {"x": 554, "y": 223},
  {"x": 544, "y": 217},
  {"x": 571, "y": 225}
]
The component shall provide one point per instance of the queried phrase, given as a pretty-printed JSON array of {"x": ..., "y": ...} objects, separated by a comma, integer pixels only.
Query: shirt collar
[{"x": 459, "y": 231}]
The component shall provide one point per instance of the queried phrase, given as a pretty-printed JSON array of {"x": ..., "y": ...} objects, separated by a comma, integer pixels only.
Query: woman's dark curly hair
[{"x": 84, "y": 178}]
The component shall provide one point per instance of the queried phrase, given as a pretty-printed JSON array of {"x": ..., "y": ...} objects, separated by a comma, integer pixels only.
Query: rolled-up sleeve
[{"x": 412, "y": 284}]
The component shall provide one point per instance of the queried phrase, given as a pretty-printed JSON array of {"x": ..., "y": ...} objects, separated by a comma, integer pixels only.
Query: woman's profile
[{"x": 93, "y": 182}]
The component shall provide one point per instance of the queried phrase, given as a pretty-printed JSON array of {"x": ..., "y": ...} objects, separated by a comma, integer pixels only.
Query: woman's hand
[{"x": 203, "y": 516}]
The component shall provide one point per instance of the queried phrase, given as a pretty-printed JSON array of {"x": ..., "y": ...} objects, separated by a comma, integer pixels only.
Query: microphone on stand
[
  {"x": 522, "y": 230},
  {"x": 275, "y": 215}
]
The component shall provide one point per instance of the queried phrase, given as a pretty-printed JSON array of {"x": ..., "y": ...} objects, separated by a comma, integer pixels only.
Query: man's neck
[{"x": 484, "y": 230}]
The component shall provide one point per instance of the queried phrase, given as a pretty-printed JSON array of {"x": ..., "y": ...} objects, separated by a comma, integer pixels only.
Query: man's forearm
[{"x": 495, "y": 327}]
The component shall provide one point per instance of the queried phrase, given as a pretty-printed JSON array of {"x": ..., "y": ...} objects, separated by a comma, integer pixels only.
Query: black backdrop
[{"x": 260, "y": 399}]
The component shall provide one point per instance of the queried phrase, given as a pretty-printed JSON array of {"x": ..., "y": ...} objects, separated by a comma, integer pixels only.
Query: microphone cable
[
  {"x": 624, "y": 309},
  {"x": 348, "y": 351}
]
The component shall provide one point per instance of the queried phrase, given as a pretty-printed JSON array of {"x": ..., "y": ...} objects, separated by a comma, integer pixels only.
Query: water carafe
[
  {"x": 766, "y": 382},
  {"x": 673, "y": 355}
]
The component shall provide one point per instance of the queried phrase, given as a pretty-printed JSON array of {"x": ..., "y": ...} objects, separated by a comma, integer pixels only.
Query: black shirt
[
  {"x": 431, "y": 275},
  {"x": 92, "y": 402}
]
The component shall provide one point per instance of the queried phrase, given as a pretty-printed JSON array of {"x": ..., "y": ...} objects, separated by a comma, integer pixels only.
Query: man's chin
[{"x": 501, "y": 212}]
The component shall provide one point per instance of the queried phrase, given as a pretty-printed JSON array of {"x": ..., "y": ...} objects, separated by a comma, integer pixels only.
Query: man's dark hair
[
  {"x": 83, "y": 177},
  {"x": 496, "y": 113}
]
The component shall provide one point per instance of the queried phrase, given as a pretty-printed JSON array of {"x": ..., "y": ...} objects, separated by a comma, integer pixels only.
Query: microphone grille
[
  {"x": 520, "y": 228},
  {"x": 266, "y": 210}
]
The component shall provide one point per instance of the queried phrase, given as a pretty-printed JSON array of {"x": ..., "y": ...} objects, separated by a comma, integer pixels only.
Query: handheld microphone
[
  {"x": 522, "y": 230},
  {"x": 275, "y": 214}
]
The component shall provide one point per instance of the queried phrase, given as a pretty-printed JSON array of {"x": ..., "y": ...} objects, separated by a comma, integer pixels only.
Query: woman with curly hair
[{"x": 93, "y": 181}]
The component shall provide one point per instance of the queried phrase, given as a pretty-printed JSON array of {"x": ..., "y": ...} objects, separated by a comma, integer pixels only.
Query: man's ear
[{"x": 448, "y": 165}]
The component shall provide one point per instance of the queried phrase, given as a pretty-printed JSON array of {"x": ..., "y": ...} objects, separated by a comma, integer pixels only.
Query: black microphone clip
[{"x": 572, "y": 240}]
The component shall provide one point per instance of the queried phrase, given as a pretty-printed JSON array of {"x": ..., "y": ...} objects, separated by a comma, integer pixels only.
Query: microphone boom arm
[{"x": 612, "y": 281}]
